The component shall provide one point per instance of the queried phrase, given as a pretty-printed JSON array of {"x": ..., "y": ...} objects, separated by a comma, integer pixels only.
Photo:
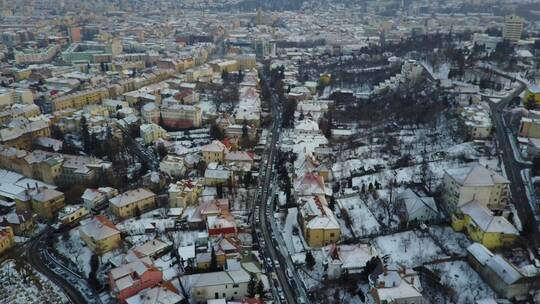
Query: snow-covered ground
[
  {"x": 466, "y": 284},
  {"x": 73, "y": 248},
  {"x": 409, "y": 248},
  {"x": 455, "y": 243},
  {"x": 363, "y": 221},
  {"x": 19, "y": 283}
]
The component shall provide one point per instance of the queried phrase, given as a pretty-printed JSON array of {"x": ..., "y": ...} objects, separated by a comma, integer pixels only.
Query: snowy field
[
  {"x": 19, "y": 283},
  {"x": 73, "y": 248},
  {"x": 409, "y": 248},
  {"x": 466, "y": 284},
  {"x": 363, "y": 221},
  {"x": 455, "y": 243}
]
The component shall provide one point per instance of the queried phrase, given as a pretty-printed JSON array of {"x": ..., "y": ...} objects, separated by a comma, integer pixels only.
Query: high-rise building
[{"x": 513, "y": 26}]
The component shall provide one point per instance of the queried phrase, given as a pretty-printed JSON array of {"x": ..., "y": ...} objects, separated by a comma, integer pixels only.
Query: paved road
[
  {"x": 513, "y": 166},
  {"x": 144, "y": 154},
  {"x": 34, "y": 255},
  {"x": 264, "y": 212}
]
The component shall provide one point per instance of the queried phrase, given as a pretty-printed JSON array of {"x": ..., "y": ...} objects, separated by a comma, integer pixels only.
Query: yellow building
[
  {"x": 529, "y": 127},
  {"x": 214, "y": 152},
  {"x": 151, "y": 132},
  {"x": 481, "y": 226},
  {"x": 216, "y": 175},
  {"x": 44, "y": 202},
  {"x": 100, "y": 235},
  {"x": 129, "y": 203},
  {"x": 6, "y": 239},
  {"x": 318, "y": 222},
  {"x": 23, "y": 136},
  {"x": 184, "y": 193},
  {"x": 220, "y": 66},
  {"x": 246, "y": 61},
  {"x": 80, "y": 99},
  {"x": 461, "y": 185},
  {"x": 72, "y": 214}
]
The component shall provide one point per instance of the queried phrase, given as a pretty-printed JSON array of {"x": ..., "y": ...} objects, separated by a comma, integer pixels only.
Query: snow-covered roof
[
  {"x": 99, "y": 228},
  {"x": 504, "y": 269},
  {"x": 476, "y": 176},
  {"x": 155, "y": 295},
  {"x": 213, "y": 279},
  {"x": 214, "y": 146},
  {"x": 316, "y": 213},
  {"x": 485, "y": 219},
  {"x": 414, "y": 202},
  {"x": 130, "y": 197},
  {"x": 309, "y": 184},
  {"x": 151, "y": 248},
  {"x": 186, "y": 252}
]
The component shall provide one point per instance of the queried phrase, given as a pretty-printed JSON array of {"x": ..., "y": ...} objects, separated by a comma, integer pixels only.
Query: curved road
[
  {"x": 74, "y": 286},
  {"x": 514, "y": 167},
  {"x": 34, "y": 257}
]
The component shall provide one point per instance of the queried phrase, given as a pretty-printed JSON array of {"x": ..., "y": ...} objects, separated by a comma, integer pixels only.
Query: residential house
[
  {"x": 72, "y": 214},
  {"x": 129, "y": 279},
  {"x": 396, "y": 285},
  {"x": 226, "y": 247},
  {"x": 235, "y": 132},
  {"x": 309, "y": 184},
  {"x": 151, "y": 132},
  {"x": 214, "y": 152},
  {"x": 93, "y": 198},
  {"x": 150, "y": 113},
  {"x": 239, "y": 161},
  {"x": 23, "y": 223},
  {"x": 198, "y": 218},
  {"x": 153, "y": 249},
  {"x": 216, "y": 175},
  {"x": 508, "y": 280},
  {"x": 416, "y": 208},
  {"x": 222, "y": 224},
  {"x": 164, "y": 294},
  {"x": 180, "y": 116},
  {"x": 483, "y": 227},
  {"x": 462, "y": 185},
  {"x": 477, "y": 119},
  {"x": 44, "y": 202},
  {"x": 529, "y": 127},
  {"x": 318, "y": 222},
  {"x": 310, "y": 164},
  {"x": 173, "y": 166},
  {"x": 6, "y": 238},
  {"x": 21, "y": 132},
  {"x": 100, "y": 234},
  {"x": 347, "y": 259},
  {"x": 184, "y": 193},
  {"x": 223, "y": 284},
  {"x": 132, "y": 202}
]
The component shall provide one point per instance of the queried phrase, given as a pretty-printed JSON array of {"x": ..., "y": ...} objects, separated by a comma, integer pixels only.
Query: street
[
  {"x": 264, "y": 223},
  {"x": 513, "y": 166},
  {"x": 75, "y": 287}
]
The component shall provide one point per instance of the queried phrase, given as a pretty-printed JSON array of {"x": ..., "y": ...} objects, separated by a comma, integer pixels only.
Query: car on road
[
  {"x": 282, "y": 297},
  {"x": 289, "y": 273}
]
